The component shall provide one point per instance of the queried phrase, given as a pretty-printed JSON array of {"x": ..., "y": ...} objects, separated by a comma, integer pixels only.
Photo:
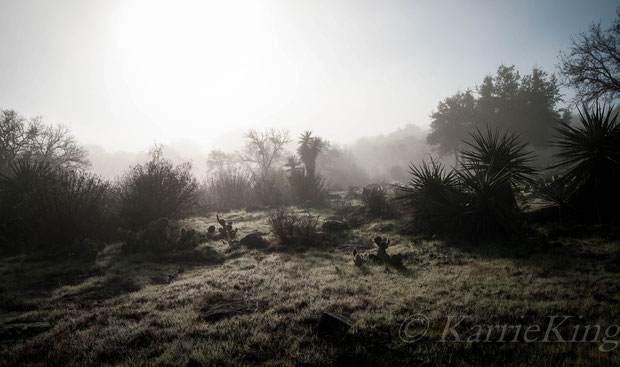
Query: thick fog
[{"x": 127, "y": 74}]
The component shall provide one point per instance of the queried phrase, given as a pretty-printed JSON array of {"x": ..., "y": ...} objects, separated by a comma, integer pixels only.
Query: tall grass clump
[
  {"x": 155, "y": 189},
  {"x": 589, "y": 163}
]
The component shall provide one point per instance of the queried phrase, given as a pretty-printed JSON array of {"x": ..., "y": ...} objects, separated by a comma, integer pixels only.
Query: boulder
[{"x": 254, "y": 240}]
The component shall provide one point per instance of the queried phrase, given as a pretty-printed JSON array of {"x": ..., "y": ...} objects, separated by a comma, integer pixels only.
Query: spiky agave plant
[
  {"x": 494, "y": 165},
  {"x": 488, "y": 207},
  {"x": 493, "y": 152},
  {"x": 433, "y": 197},
  {"x": 589, "y": 161}
]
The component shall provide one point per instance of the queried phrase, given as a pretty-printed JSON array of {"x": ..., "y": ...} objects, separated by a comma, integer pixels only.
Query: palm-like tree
[
  {"x": 309, "y": 149},
  {"x": 293, "y": 165}
]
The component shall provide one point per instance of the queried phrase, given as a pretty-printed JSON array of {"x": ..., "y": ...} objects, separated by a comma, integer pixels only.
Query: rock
[
  {"x": 15, "y": 331},
  {"x": 334, "y": 226},
  {"x": 330, "y": 324},
  {"x": 225, "y": 310},
  {"x": 231, "y": 308},
  {"x": 254, "y": 240}
]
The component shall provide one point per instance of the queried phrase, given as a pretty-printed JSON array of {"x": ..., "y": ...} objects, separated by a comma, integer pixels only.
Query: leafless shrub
[{"x": 296, "y": 230}]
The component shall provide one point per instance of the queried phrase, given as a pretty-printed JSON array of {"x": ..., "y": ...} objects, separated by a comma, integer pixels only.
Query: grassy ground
[{"x": 136, "y": 310}]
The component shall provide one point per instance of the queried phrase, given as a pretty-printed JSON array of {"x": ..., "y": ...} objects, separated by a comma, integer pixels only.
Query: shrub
[
  {"x": 52, "y": 209},
  {"x": 229, "y": 189},
  {"x": 271, "y": 190},
  {"x": 159, "y": 237},
  {"x": 589, "y": 162},
  {"x": 308, "y": 188},
  {"x": 155, "y": 189},
  {"x": 353, "y": 215},
  {"x": 292, "y": 229},
  {"x": 376, "y": 202}
]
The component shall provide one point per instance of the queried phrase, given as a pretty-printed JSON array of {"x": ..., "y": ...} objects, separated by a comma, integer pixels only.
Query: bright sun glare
[{"x": 194, "y": 64}]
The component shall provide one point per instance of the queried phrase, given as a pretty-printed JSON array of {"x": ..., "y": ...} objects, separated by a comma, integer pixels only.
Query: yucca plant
[
  {"x": 488, "y": 206},
  {"x": 479, "y": 198},
  {"x": 495, "y": 165},
  {"x": 433, "y": 197},
  {"x": 493, "y": 152},
  {"x": 589, "y": 161}
]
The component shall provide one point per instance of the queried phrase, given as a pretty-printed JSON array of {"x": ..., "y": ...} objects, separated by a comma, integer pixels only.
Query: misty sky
[{"x": 124, "y": 74}]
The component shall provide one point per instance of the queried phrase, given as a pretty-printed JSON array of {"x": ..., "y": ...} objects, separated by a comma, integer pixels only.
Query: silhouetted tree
[
  {"x": 506, "y": 101},
  {"x": 219, "y": 161},
  {"x": 31, "y": 139},
  {"x": 592, "y": 66},
  {"x": 309, "y": 149},
  {"x": 525, "y": 104},
  {"x": 451, "y": 121},
  {"x": 264, "y": 149}
]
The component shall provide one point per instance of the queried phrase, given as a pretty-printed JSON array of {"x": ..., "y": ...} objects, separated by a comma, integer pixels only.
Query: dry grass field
[{"x": 219, "y": 304}]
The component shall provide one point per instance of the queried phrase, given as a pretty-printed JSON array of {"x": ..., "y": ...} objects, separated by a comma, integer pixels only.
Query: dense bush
[
  {"x": 271, "y": 189},
  {"x": 52, "y": 209},
  {"x": 308, "y": 189},
  {"x": 155, "y": 189},
  {"x": 228, "y": 189},
  {"x": 160, "y": 237},
  {"x": 589, "y": 163},
  {"x": 292, "y": 229},
  {"x": 376, "y": 202}
]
